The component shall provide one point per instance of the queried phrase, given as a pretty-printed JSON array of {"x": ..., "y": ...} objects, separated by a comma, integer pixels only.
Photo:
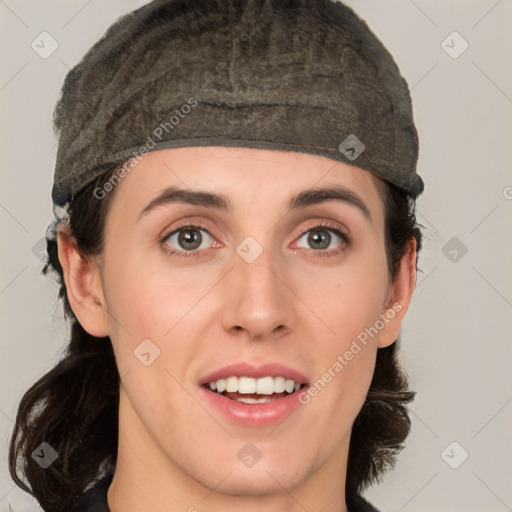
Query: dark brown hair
[{"x": 74, "y": 407}]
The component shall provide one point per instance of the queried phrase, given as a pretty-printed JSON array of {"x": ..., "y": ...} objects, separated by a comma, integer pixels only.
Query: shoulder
[
  {"x": 95, "y": 498},
  {"x": 357, "y": 503}
]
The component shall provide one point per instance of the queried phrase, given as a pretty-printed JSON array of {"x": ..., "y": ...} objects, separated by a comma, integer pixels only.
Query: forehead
[{"x": 260, "y": 176}]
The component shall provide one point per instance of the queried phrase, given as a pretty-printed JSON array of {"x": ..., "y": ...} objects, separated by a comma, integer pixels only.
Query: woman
[{"x": 236, "y": 244}]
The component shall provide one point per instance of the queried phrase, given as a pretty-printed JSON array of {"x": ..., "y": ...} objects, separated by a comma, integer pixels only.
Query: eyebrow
[
  {"x": 194, "y": 197},
  {"x": 221, "y": 202},
  {"x": 334, "y": 193}
]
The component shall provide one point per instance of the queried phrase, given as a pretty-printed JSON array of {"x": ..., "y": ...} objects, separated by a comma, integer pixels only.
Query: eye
[
  {"x": 325, "y": 239},
  {"x": 321, "y": 238},
  {"x": 188, "y": 238}
]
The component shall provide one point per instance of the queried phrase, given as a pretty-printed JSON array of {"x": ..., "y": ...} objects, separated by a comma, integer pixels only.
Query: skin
[{"x": 293, "y": 305}]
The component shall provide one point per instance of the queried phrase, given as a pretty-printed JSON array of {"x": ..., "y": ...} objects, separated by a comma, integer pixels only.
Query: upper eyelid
[
  {"x": 316, "y": 224},
  {"x": 328, "y": 227},
  {"x": 167, "y": 233}
]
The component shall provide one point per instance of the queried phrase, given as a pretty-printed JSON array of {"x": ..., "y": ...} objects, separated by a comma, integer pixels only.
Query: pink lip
[
  {"x": 248, "y": 370},
  {"x": 254, "y": 414}
]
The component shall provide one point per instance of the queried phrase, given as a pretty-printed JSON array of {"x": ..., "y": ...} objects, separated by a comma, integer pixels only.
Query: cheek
[
  {"x": 152, "y": 301},
  {"x": 348, "y": 300},
  {"x": 149, "y": 308},
  {"x": 146, "y": 295},
  {"x": 348, "y": 297}
]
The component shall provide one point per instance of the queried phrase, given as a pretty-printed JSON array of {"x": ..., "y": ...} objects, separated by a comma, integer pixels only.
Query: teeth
[
  {"x": 232, "y": 384},
  {"x": 262, "y": 400},
  {"x": 248, "y": 385},
  {"x": 289, "y": 385},
  {"x": 279, "y": 384},
  {"x": 221, "y": 385},
  {"x": 264, "y": 386}
]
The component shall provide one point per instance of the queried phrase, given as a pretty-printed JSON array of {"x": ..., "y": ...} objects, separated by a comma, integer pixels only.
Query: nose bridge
[{"x": 259, "y": 302}]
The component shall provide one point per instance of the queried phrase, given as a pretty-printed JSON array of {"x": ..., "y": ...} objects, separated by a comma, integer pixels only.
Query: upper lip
[{"x": 246, "y": 369}]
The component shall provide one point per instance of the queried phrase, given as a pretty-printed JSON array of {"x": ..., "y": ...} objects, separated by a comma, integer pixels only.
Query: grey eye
[
  {"x": 189, "y": 239},
  {"x": 320, "y": 239}
]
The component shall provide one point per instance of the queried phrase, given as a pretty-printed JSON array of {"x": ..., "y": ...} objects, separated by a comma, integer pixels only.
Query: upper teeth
[{"x": 262, "y": 386}]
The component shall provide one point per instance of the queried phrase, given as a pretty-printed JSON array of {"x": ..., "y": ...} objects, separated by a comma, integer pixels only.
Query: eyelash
[{"x": 316, "y": 253}]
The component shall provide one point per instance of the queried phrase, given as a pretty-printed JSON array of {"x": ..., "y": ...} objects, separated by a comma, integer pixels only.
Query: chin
[
  {"x": 252, "y": 484},
  {"x": 259, "y": 480}
]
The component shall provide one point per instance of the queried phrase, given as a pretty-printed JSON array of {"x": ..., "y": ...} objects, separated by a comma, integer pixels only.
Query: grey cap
[{"x": 293, "y": 75}]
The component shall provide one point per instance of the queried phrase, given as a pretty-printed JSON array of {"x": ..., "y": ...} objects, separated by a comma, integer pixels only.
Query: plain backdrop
[{"x": 456, "y": 340}]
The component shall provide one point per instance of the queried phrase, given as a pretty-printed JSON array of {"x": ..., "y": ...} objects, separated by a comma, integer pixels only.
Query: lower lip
[{"x": 254, "y": 415}]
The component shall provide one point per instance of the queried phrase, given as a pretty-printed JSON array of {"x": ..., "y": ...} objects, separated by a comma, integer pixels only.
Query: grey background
[{"x": 456, "y": 338}]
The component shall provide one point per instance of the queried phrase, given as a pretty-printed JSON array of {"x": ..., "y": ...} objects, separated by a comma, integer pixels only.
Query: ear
[
  {"x": 399, "y": 297},
  {"x": 83, "y": 284}
]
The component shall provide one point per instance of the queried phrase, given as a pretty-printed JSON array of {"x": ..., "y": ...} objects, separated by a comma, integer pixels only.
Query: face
[{"x": 245, "y": 273}]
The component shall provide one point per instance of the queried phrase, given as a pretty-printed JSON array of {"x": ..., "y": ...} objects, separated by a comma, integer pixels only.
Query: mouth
[
  {"x": 254, "y": 395},
  {"x": 250, "y": 390}
]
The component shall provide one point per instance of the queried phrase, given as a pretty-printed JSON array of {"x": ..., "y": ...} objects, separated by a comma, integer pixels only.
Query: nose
[{"x": 259, "y": 304}]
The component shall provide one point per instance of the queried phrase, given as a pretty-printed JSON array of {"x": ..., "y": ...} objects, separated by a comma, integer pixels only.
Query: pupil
[
  {"x": 321, "y": 238},
  {"x": 190, "y": 239}
]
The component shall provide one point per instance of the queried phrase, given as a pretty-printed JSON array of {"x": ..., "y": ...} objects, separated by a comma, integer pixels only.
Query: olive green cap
[{"x": 293, "y": 75}]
